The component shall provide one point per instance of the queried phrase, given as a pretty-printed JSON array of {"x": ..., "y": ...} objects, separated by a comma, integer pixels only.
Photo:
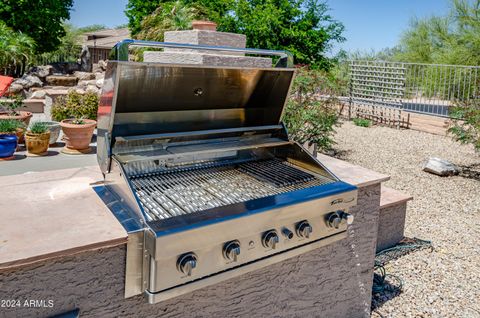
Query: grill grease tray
[{"x": 168, "y": 194}]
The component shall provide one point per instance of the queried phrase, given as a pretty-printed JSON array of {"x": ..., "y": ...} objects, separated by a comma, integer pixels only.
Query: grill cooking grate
[{"x": 168, "y": 194}]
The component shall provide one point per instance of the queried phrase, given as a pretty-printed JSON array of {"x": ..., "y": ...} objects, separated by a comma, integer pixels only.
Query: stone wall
[
  {"x": 332, "y": 281},
  {"x": 391, "y": 225}
]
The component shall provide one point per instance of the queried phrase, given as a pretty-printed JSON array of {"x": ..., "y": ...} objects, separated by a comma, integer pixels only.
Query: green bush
[
  {"x": 465, "y": 126},
  {"x": 362, "y": 122},
  {"x": 75, "y": 105},
  {"x": 307, "y": 117}
]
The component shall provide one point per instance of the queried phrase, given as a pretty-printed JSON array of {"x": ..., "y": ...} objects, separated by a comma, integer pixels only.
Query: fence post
[{"x": 350, "y": 87}]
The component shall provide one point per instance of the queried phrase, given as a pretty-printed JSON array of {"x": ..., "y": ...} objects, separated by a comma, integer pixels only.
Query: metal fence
[{"x": 422, "y": 88}]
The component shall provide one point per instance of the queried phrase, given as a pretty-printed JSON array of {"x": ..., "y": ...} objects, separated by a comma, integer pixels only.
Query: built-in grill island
[{"x": 207, "y": 181}]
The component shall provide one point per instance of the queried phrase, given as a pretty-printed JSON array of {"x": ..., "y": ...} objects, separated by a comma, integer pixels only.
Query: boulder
[
  {"x": 102, "y": 64},
  {"x": 440, "y": 167},
  {"x": 61, "y": 80},
  {"x": 41, "y": 71},
  {"x": 76, "y": 90},
  {"x": 92, "y": 89},
  {"x": 99, "y": 83},
  {"x": 15, "y": 88},
  {"x": 84, "y": 76},
  {"x": 28, "y": 81},
  {"x": 38, "y": 94}
]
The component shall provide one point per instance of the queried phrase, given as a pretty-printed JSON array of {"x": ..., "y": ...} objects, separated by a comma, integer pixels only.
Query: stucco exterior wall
[{"x": 332, "y": 281}]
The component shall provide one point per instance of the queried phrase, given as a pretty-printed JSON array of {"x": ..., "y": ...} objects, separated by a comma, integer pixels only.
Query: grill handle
[{"x": 120, "y": 51}]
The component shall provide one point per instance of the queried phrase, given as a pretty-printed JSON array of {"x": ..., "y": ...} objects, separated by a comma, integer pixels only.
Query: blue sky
[{"x": 370, "y": 24}]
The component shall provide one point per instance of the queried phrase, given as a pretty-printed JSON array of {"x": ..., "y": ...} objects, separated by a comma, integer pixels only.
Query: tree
[
  {"x": 301, "y": 26},
  {"x": 41, "y": 20},
  {"x": 169, "y": 16},
  {"x": 451, "y": 39},
  {"x": 16, "y": 48}
]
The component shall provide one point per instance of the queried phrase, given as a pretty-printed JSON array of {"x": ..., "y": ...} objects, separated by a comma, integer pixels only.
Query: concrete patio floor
[{"x": 54, "y": 160}]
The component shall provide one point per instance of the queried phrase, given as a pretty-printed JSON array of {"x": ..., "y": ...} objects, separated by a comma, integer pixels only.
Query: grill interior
[{"x": 167, "y": 194}]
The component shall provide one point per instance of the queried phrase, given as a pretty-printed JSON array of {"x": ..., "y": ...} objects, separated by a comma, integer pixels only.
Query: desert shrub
[
  {"x": 75, "y": 105},
  {"x": 465, "y": 126},
  {"x": 362, "y": 122},
  {"x": 308, "y": 116}
]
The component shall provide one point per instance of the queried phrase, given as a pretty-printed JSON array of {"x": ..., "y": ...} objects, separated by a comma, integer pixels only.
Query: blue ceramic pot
[{"x": 8, "y": 145}]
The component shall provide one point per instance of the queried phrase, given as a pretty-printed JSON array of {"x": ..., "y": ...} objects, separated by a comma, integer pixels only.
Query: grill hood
[{"x": 152, "y": 98}]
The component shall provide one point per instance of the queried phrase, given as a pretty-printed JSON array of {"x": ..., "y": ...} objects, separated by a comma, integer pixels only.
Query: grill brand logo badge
[
  {"x": 336, "y": 201},
  {"x": 340, "y": 200}
]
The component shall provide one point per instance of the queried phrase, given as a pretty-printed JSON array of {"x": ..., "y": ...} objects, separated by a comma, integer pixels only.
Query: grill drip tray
[{"x": 172, "y": 193}]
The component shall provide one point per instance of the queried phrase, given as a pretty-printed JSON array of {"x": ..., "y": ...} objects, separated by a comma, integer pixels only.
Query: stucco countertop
[
  {"x": 57, "y": 213},
  {"x": 53, "y": 213}
]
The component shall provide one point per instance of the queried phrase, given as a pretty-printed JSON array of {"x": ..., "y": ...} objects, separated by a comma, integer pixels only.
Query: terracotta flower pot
[
  {"x": 37, "y": 144},
  {"x": 23, "y": 117},
  {"x": 204, "y": 25},
  {"x": 20, "y": 136},
  {"x": 77, "y": 137}
]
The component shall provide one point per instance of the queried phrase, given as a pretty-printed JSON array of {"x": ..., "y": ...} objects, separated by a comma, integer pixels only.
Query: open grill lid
[{"x": 153, "y": 98}]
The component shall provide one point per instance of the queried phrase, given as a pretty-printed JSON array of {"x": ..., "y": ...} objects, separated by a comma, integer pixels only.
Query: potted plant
[
  {"x": 8, "y": 137},
  {"x": 76, "y": 114},
  {"x": 36, "y": 139},
  {"x": 9, "y": 110},
  {"x": 54, "y": 128},
  {"x": 77, "y": 135}
]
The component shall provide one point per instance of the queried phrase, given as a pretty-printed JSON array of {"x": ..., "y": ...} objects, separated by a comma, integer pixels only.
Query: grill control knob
[
  {"x": 231, "y": 250},
  {"x": 186, "y": 263},
  {"x": 270, "y": 239},
  {"x": 304, "y": 229},
  {"x": 335, "y": 219}
]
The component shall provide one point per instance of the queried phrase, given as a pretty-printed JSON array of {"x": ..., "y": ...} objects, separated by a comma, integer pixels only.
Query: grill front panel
[{"x": 172, "y": 193}]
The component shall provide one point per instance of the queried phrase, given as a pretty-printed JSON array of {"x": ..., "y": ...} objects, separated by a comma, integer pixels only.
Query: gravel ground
[{"x": 444, "y": 282}]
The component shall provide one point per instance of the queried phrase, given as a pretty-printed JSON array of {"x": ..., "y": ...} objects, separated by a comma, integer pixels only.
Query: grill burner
[{"x": 173, "y": 193}]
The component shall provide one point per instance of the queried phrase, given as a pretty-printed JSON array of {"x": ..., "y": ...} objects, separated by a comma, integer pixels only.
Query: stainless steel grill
[
  {"x": 203, "y": 176},
  {"x": 173, "y": 193}
]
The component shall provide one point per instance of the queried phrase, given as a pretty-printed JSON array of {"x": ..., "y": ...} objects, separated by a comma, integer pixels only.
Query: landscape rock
[
  {"x": 102, "y": 64},
  {"x": 15, "y": 88},
  {"x": 84, "y": 84},
  {"x": 41, "y": 71},
  {"x": 99, "y": 75},
  {"x": 40, "y": 94},
  {"x": 99, "y": 83},
  {"x": 61, "y": 80},
  {"x": 92, "y": 89},
  {"x": 28, "y": 81},
  {"x": 84, "y": 76},
  {"x": 440, "y": 167},
  {"x": 76, "y": 90}
]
